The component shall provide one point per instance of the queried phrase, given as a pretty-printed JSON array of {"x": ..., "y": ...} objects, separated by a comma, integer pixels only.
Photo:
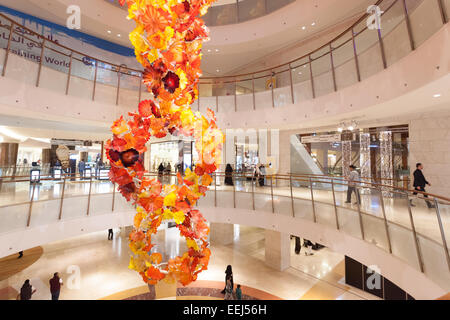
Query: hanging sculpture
[{"x": 168, "y": 41}]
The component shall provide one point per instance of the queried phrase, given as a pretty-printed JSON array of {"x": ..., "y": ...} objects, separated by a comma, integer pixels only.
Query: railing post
[
  {"x": 358, "y": 201},
  {"x": 253, "y": 196},
  {"x": 442, "y": 11},
  {"x": 89, "y": 196},
  {"x": 312, "y": 78},
  {"x": 334, "y": 204},
  {"x": 198, "y": 99},
  {"x": 113, "y": 197},
  {"x": 292, "y": 195},
  {"x": 253, "y": 91},
  {"x": 234, "y": 194},
  {"x": 40, "y": 63},
  {"x": 8, "y": 48},
  {"x": 140, "y": 88},
  {"x": 355, "y": 53},
  {"x": 68, "y": 75},
  {"x": 62, "y": 198},
  {"x": 292, "y": 83},
  {"x": 312, "y": 200},
  {"x": 215, "y": 189},
  {"x": 413, "y": 228},
  {"x": 408, "y": 26},
  {"x": 271, "y": 193},
  {"x": 95, "y": 80},
  {"x": 235, "y": 95},
  {"x": 332, "y": 68},
  {"x": 271, "y": 86},
  {"x": 386, "y": 226},
  {"x": 31, "y": 205},
  {"x": 441, "y": 228},
  {"x": 118, "y": 85}
]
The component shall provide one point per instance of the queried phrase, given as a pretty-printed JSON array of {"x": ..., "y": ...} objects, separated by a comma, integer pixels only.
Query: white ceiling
[{"x": 238, "y": 45}]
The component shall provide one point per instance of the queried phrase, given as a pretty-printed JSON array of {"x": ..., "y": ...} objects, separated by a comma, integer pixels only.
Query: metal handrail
[{"x": 310, "y": 180}]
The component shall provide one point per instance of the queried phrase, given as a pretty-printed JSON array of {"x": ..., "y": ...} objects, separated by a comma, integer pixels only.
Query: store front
[
  {"x": 173, "y": 155},
  {"x": 380, "y": 154}
]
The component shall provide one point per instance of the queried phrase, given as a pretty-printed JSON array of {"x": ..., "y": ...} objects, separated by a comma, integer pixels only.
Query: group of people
[
  {"x": 419, "y": 185},
  {"x": 228, "y": 291},
  {"x": 27, "y": 290},
  {"x": 257, "y": 172}
]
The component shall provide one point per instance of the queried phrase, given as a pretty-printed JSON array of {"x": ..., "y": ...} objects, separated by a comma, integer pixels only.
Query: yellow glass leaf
[
  {"x": 179, "y": 217},
  {"x": 167, "y": 215},
  {"x": 169, "y": 200},
  {"x": 192, "y": 244}
]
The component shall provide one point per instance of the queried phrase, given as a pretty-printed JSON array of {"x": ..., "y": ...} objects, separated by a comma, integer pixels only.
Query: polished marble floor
[{"x": 93, "y": 268}]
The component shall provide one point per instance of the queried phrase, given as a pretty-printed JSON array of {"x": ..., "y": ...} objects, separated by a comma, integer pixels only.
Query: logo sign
[
  {"x": 374, "y": 20},
  {"x": 322, "y": 138},
  {"x": 74, "y": 19}
]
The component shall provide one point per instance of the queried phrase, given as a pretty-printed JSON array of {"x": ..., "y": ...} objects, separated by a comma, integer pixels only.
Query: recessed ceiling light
[
  {"x": 438, "y": 95},
  {"x": 303, "y": 28},
  {"x": 313, "y": 24},
  {"x": 209, "y": 50},
  {"x": 300, "y": 72},
  {"x": 218, "y": 70},
  {"x": 217, "y": 50},
  {"x": 109, "y": 31},
  {"x": 118, "y": 35}
]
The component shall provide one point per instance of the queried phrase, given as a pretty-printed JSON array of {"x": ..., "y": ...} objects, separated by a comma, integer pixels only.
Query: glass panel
[
  {"x": 107, "y": 82},
  {"x": 395, "y": 34},
  {"x": 344, "y": 62},
  {"x": 225, "y": 90},
  {"x": 444, "y": 211},
  {"x": 425, "y": 19},
  {"x": 23, "y": 63},
  {"x": 14, "y": 217},
  {"x": 368, "y": 50},
  {"x": 323, "y": 76},
  {"x": 222, "y": 15},
  {"x": 82, "y": 77},
  {"x": 273, "y": 5},
  {"x": 251, "y": 9},
  {"x": 129, "y": 89},
  {"x": 446, "y": 4},
  {"x": 55, "y": 68},
  {"x": 244, "y": 94},
  {"x": 301, "y": 79},
  {"x": 282, "y": 87},
  {"x": 403, "y": 246},
  {"x": 263, "y": 90}
]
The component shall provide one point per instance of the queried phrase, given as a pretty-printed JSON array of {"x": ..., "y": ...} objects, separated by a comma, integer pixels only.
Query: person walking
[
  {"x": 420, "y": 183},
  {"x": 238, "y": 292},
  {"x": 261, "y": 175},
  {"x": 27, "y": 291},
  {"x": 110, "y": 234},
  {"x": 229, "y": 175},
  {"x": 228, "y": 290},
  {"x": 55, "y": 286},
  {"x": 81, "y": 167},
  {"x": 353, "y": 178},
  {"x": 298, "y": 245},
  {"x": 228, "y": 276}
]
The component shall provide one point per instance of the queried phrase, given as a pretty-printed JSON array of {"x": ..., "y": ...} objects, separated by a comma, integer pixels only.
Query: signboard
[{"x": 322, "y": 138}]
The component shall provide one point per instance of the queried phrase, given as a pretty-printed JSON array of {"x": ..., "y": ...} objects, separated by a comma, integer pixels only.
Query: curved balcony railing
[
  {"x": 236, "y": 11},
  {"x": 353, "y": 56},
  {"x": 384, "y": 216}
]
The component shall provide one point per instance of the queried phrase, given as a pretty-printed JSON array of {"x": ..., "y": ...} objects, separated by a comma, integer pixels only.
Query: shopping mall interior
[{"x": 303, "y": 153}]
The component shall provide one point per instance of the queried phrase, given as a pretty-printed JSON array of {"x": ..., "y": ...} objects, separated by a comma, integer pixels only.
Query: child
[{"x": 238, "y": 292}]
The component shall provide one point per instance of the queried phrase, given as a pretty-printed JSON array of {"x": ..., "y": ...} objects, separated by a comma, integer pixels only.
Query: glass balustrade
[
  {"x": 357, "y": 54},
  {"x": 412, "y": 227}
]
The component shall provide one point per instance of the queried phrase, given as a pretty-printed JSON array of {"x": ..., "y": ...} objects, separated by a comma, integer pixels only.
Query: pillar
[
  {"x": 387, "y": 170},
  {"x": 278, "y": 250},
  {"x": 8, "y": 154},
  {"x": 222, "y": 233},
  {"x": 46, "y": 157},
  {"x": 365, "y": 160},
  {"x": 346, "y": 158}
]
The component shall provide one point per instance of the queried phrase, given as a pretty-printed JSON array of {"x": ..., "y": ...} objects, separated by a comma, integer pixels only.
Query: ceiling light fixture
[
  {"x": 109, "y": 31},
  {"x": 313, "y": 24},
  {"x": 118, "y": 35},
  {"x": 438, "y": 95},
  {"x": 303, "y": 28}
]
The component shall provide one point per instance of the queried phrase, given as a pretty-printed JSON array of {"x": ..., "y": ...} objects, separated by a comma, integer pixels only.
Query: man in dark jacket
[
  {"x": 55, "y": 286},
  {"x": 419, "y": 184}
]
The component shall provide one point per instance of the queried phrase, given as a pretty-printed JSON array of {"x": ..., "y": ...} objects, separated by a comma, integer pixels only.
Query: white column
[
  {"x": 222, "y": 233},
  {"x": 278, "y": 250}
]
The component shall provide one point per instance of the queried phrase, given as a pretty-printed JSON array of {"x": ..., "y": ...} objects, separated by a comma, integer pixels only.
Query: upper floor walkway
[
  {"x": 383, "y": 228},
  {"x": 362, "y": 67}
]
